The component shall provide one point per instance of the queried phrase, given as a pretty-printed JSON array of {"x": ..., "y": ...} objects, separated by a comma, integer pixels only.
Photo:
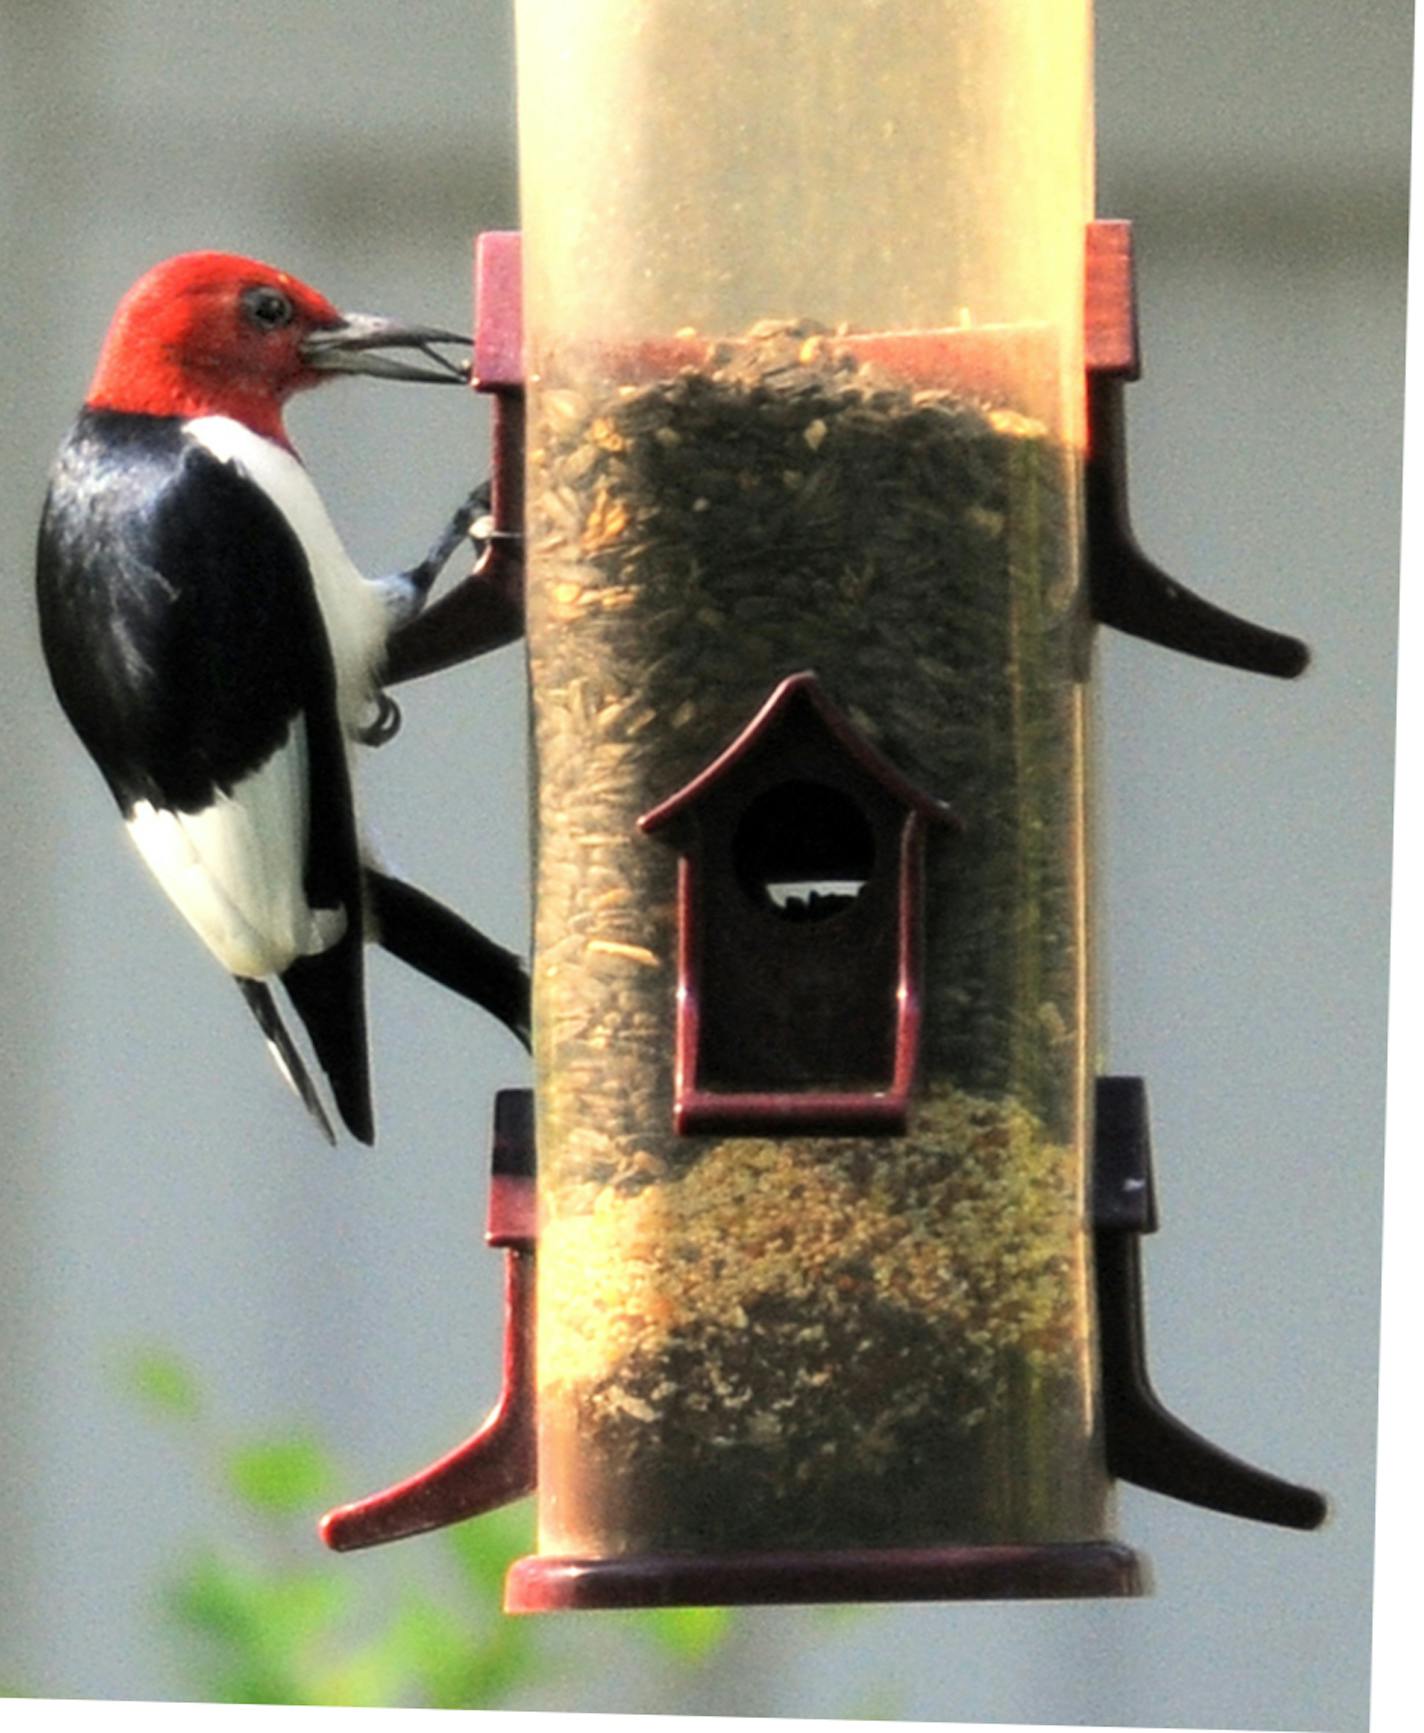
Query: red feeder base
[{"x": 1077, "y": 1570}]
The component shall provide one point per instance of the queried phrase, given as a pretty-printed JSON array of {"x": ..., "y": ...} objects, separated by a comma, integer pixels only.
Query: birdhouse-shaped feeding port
[
  {"x": 799, "y": 917},
  {"x": 837, "y": 1229}
]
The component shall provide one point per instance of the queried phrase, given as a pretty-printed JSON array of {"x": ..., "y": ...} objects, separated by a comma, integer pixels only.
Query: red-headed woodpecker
[{"x": 217, "y": 651}]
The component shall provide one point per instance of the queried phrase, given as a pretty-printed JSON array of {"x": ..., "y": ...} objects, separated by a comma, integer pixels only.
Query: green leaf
[
  {"x": 285, "y": 1475},
  {"x": 366, "y": 1677},
  {"x": 305, "y": 1604},
  {"x": 258, "y": 1629},
  {"x": 244, "y": 1608},
  {"x": 438, "y": 1651},
  {"x": 690, "y": 1634},
  {"x": 161, "y": 1383},
  {"x": 512, "y": 1659},
  {"x": 272, "y": 1687},
  {"x": 487, "y": 1545},
  {"x": 426, "y": 1657},
  {"x": 215, "y": 1599}
]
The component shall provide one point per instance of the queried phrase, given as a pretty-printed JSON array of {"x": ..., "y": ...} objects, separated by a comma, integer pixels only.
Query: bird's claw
[
  {"x": 482, "y": 532},
  {"x": 475, "y": 511},
  {"x": 385, "y": 725}
]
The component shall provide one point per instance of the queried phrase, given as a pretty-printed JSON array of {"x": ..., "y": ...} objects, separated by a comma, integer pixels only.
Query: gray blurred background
[{"x": 159, "y": 1183}]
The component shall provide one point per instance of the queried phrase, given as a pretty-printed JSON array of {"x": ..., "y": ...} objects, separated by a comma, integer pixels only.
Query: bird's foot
[{"x": 385, "y": 725}]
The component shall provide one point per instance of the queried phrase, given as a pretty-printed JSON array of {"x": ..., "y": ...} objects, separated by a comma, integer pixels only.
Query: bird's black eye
[{"x": 267, "y": 309}]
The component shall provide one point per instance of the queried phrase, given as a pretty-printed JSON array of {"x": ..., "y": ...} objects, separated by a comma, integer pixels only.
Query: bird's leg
[
  {"x": 486, "y": 610},
  {"x": 386, "y": 723},
  {"x": 406, "y": 592},
  {"x": 469, "y": 520},
  {"x": 433, "y": 939}
]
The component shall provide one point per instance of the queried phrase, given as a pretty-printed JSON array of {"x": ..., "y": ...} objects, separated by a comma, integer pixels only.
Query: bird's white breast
[{"x": 355, "y": 612}]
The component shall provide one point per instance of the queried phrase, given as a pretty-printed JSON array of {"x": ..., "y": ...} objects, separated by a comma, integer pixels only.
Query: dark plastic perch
[
  {"x": 1127, "y": 590},
  {"x": 486, "y": 610},
  {"x": 498, "y": 1463},
  {"x": 1132, "y": 594},
  {"x": 1146, "y": 1444}
]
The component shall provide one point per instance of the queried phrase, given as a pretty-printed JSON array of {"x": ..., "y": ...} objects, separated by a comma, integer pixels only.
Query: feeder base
[{"x": 1076, "y": 1570}]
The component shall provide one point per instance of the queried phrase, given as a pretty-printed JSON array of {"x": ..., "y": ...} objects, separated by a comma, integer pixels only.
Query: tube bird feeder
[{"x": 822, "y": 354}]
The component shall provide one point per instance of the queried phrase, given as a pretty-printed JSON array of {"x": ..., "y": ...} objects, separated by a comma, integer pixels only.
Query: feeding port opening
[{"x": 804, "y": 850}]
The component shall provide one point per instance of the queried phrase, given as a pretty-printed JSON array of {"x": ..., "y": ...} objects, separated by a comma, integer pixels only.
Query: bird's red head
[
  {"x": 217, "y": 334},
  {"x": 211, "y": 334}
]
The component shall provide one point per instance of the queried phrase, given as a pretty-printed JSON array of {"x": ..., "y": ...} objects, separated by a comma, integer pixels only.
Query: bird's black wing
[{"x": 186, "y": 645}]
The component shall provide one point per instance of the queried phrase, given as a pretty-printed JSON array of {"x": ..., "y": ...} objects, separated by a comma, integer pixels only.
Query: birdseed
[{"x": 809, "y": 1341}]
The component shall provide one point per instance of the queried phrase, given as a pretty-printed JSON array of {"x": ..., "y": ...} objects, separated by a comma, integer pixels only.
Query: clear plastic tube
[
  {"x": 804, "y": 329},
  {"x": 894, "y": 164}
]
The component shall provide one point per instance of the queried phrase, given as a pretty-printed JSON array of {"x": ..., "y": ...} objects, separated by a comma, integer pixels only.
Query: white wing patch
[{"x": 235, "y": 869}]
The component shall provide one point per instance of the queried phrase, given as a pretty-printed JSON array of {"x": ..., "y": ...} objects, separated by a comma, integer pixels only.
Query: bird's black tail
[
  {"x": 329, "y": 994},
  {"x": 283, "y": 1050},
  {"x": 327, "y": 991}
]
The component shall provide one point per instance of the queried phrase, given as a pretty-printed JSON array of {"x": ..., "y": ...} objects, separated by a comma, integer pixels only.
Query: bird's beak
[{"x": 356, "y": 345}]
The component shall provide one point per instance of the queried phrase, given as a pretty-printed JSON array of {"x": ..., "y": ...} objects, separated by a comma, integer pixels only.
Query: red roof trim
[{"x": 804, "y": 687}]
